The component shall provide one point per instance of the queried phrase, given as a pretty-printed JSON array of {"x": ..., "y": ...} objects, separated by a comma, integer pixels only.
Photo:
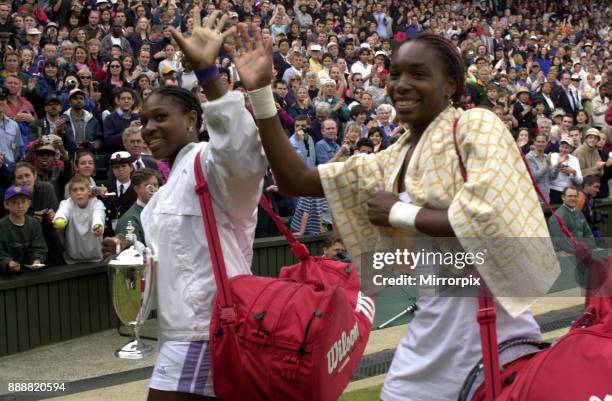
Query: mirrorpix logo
[{"x": 596, "y": 398}]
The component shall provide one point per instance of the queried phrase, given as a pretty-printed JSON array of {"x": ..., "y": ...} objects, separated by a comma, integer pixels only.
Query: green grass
[{"x": 366, "y": 394}]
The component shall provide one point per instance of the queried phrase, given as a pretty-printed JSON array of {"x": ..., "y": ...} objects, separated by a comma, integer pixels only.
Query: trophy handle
[{"x": 148, "y": 292}]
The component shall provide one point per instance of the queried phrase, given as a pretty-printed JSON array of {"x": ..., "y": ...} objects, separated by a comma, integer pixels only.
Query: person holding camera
[
  {"x": 70, "y": 83},
  {"x": 302, "y": 141},
  {"x": 47, "y": 154},
  {"x": 53, "y": 123},
  {"x": 568, "y": 170}
]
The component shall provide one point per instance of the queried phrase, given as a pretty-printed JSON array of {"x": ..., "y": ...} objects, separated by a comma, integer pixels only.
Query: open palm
[
  {"x": 253, "y": 58},
  {"x": 202, "y": 47}
]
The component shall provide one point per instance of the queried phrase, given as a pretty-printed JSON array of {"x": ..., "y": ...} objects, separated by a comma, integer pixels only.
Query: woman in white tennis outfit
[{"x": 234, "y": 164}]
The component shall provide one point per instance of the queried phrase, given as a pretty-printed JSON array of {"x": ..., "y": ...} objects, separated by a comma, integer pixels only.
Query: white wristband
[
  {"x": 403, "y": 215},
  {"x": 263, "y": 102}
]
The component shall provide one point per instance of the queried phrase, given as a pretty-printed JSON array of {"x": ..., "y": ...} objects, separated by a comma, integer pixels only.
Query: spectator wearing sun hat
[
  {"x": 523, "y": 110},
  {"x": 33, "y": 40},
  {"x": 588, "y": 154},
  {"x": 316, "y": 55}
]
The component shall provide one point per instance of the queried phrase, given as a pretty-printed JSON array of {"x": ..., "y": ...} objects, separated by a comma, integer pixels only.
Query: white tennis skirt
[{"x": 184, "y": 367}]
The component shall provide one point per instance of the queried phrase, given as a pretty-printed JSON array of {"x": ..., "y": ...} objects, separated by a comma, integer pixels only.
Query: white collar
[{"x": 126, "y": 185}]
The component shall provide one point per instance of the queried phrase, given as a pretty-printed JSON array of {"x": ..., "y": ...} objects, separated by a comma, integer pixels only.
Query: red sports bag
[
  {"x": 578, "y": 367},
  {"x": 299, "y": 337}
]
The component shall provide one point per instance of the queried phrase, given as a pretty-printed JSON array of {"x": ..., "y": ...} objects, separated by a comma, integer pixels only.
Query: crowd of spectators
[{"x": 75, "y": 72}]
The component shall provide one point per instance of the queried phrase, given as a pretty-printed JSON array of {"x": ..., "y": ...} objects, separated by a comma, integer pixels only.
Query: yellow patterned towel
[{"x": 497, "y": 201}]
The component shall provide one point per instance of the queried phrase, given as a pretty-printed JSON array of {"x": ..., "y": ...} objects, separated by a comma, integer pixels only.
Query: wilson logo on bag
[
  {"x": 341, "y": 349},
  {"x": 298, "y": 337}
]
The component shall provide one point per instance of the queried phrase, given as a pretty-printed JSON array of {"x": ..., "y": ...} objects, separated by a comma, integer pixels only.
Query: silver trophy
[{"x": 132, "y": 275}]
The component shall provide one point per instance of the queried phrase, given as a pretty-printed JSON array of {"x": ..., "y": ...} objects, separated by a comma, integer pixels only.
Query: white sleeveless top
[{"x": 443, "y": 343}]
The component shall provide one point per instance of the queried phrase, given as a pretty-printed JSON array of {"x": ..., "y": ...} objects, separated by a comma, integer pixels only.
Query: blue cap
[
  {"x": 53, "y": 98},
  {"x": 14, "y": 190}
]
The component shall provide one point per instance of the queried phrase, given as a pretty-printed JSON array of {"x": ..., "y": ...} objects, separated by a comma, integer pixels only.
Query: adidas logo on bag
[{"x": 596, "y": 398}]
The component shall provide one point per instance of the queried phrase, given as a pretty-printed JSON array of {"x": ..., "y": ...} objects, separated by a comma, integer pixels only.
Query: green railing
[{"x": 65, "y": 302}]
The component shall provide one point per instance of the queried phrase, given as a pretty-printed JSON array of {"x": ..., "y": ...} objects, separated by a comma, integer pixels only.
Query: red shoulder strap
[
  {"x": 485, "y": 317},
  {"x": 228, "y": 312},
  {"x": 298, "y": 249}
]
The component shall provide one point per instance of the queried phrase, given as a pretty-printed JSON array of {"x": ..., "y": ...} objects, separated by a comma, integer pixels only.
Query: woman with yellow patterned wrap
[{"x": 415, "y": 187}]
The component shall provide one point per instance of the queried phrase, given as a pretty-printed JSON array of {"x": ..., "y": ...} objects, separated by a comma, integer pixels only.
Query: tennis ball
[{"x": 60, "y": 223}]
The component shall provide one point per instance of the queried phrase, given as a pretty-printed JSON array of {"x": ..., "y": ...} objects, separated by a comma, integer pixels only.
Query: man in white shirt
[{"x": 363, "y": 66}]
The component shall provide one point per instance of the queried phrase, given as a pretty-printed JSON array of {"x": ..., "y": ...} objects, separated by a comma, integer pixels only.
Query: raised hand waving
[
  {"x": 253, "y": 57},
  {"x": 202, "y": 47}
]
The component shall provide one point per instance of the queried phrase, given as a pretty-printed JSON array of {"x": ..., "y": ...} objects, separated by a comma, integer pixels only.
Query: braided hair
[
  {"x": 452, "y": 61},
  {"x": 187, "y": 100}
]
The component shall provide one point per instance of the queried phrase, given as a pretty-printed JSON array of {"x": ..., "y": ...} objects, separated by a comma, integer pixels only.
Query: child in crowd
[
  {"x": 22, "y": 244},
  {"x": 85, "y": 165},
  {"x": 83, "y": 217}
]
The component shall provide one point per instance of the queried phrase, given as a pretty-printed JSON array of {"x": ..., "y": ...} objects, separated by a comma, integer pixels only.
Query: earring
[
  {"x": 190, "y": 130},
  {"x": 450, "y": 102}
]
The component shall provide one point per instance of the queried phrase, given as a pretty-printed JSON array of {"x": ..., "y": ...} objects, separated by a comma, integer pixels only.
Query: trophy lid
[
  {"x": 130, "y": 235},
  {"x": 129, "y": 256}
]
